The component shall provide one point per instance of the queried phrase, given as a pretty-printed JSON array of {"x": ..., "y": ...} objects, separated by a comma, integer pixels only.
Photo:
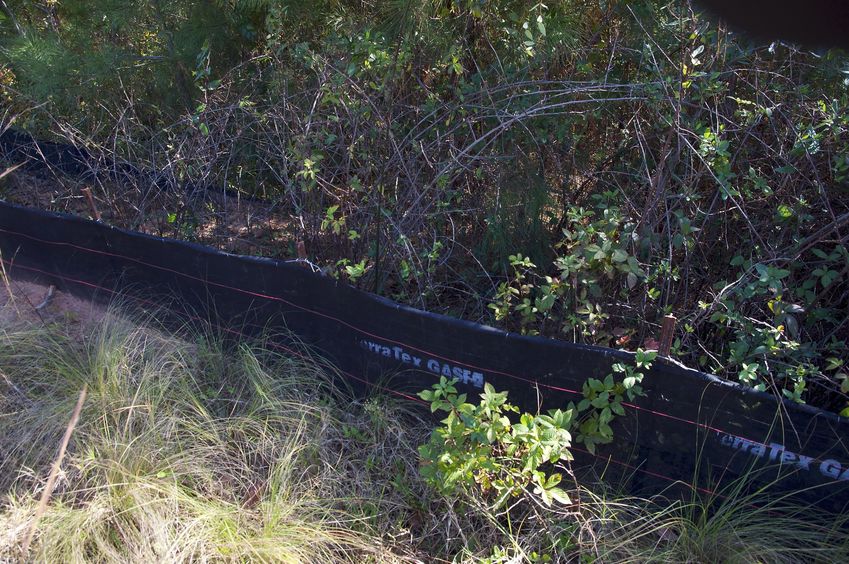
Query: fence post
[
  {"x": 94, "y": 213},
  {"x": 667, "y": 332}
]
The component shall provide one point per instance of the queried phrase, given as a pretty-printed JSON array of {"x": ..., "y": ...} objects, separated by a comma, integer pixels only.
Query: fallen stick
[
  {"x": 54, "y": 472},
  {"x": 47, "y": 298}
]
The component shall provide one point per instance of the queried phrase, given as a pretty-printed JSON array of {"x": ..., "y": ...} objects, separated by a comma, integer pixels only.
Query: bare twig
[
  {"x": 11, "y": 170},
  {"x": 5, "y": 278},
  {"x": 54, "y": 472}
]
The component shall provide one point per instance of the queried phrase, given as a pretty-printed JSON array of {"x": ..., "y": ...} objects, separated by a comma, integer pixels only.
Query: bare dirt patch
[{"x": 25, "y": 302}]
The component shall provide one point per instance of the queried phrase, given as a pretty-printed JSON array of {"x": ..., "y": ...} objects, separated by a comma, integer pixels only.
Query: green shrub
[{"x": 478, "y": 449}]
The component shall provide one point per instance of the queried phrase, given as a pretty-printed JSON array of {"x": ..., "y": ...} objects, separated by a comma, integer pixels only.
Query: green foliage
[
  {"x": 479, "y": 450},
  {"x": 595, "y": 258},
  {"x": 603, "y": 399},
  {"x": 770, "y": 355},
  {"x": 87, "y": 57},
  {"x": 331, "y": 222}
]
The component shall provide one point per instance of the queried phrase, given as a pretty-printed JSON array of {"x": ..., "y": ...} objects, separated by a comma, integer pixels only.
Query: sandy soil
[{"x": 24, "y": 302}]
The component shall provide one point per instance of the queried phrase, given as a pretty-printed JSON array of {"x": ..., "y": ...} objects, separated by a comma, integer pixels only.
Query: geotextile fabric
[{"x": 689, "y": 429}]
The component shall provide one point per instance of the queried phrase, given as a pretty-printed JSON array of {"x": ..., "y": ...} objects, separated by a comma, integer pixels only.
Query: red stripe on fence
[
  {"x": 355, "y": 328},
  {"x": 305, "y": 357}
]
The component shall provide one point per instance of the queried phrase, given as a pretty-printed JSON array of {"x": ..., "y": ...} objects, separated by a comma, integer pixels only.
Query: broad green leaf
[{"x": 619, "y": 255}]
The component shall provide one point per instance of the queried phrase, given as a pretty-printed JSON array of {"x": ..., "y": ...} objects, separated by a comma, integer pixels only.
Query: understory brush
[
  {"x": 193, "y": 449},
  {"x": 577, "y": 170}
]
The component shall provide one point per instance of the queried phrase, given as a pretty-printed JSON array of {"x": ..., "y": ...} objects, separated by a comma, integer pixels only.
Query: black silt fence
[{"x": 689, "y": 429}]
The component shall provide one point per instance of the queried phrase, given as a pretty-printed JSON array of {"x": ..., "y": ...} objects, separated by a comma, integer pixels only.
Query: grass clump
[
  {"x": 184, "y": 452},
  {"x": 190, "y": 450}
]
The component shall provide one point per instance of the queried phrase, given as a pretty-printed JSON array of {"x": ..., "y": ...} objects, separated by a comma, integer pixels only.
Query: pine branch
[{"x": 11, "y": 16}]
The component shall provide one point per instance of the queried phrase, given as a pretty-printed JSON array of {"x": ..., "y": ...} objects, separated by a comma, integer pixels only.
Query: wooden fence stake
[
  {"x": 302, "y": 254},
  {"x": 94, "y": 213},
  {"x": 667, "y": 332}
]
